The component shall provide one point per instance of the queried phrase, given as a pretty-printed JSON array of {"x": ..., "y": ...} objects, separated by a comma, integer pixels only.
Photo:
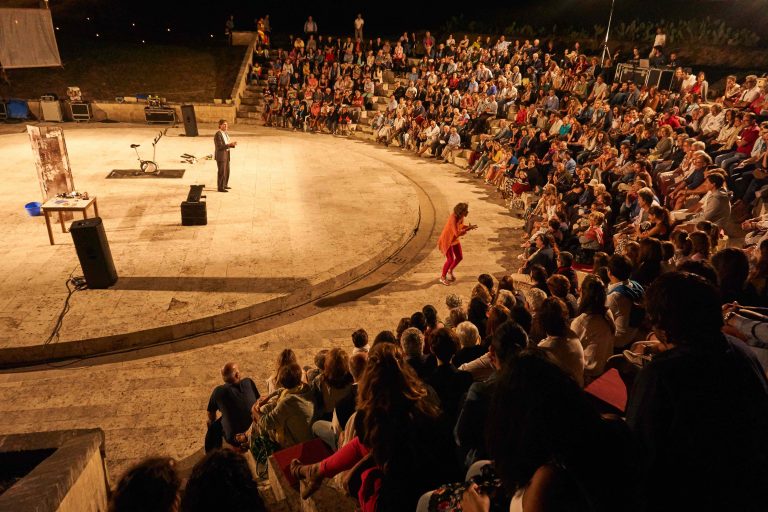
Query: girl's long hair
[{"x": 390, "y": 397}]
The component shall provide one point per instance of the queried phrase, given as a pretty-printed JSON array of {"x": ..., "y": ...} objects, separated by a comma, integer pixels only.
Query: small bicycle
[{"x": 149, "y": 166}]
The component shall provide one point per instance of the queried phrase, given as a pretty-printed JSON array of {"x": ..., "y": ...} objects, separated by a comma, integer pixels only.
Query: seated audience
[
  {"x": 449, "y": 383},
  {"x": 594, "y": 327},
  {"x": 234, "y": 400},
  {"x": 286, "y": 420},
  {"x": 403, "y": 443},
  {"x": 469, "y": 432},
  {"x": 412, "y": 344},
  {"x": 560, "y": 342},
  {"x": 222, "y": 481},
  {"x": 701, "y": 390},
  {"x": 469, "y": 343}
]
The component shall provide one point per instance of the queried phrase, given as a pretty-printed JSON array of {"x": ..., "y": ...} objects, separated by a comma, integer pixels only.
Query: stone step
[
  {"x": 253, "y": 101},
  {"x": 249, "y": 118},
  {"x": 242, "y": 109},
  {"x": 248, "y": 121}
]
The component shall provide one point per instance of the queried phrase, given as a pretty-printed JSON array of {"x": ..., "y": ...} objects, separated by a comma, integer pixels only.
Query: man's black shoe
[
  {"x": 222, "y": 190},
  {"x": 227, "y": 188}
]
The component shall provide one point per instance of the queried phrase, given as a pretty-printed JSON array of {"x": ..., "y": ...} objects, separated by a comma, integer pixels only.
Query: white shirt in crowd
[
  {"x": 567, "y": 353},
  {"x": 596, "y": 334}
]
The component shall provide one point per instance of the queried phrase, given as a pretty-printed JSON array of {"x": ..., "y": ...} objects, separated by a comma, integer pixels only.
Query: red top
[{"x": 454, "y": 228}]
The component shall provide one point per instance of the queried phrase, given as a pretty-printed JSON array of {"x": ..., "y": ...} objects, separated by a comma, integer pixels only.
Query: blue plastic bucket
[{"x": 33, "y": 208}]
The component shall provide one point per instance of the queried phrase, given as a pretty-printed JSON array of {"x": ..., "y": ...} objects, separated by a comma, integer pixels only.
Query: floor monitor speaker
[
  {"x": 194, "y": 213},
  {"x": 93, "y": 252}
]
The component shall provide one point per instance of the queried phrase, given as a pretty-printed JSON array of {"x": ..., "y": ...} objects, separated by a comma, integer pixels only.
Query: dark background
[{"x": 198, "y": 20}]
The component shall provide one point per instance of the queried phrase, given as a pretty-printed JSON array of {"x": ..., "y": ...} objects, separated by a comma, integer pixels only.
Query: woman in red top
[{"x": 449, "y": 240}]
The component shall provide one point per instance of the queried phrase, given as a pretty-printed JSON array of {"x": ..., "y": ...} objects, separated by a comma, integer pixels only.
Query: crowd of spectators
[
  {"x": 497, "y": 390},
  {"x": 543, "y": 122},
  {"x": 487, "y": 409}
]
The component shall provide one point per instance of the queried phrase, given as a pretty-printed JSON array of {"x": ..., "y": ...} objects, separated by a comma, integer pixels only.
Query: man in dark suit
[{"x": 223, "y": 145}]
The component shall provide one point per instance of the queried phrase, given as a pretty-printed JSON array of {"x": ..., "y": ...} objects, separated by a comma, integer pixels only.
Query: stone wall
[
  {"x": 134, "y": 112},
  {"x": 72, "y": 479}
]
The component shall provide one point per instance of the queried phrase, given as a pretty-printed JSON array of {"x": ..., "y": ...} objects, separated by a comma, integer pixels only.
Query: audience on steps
[{"x": 645, "y": 260}]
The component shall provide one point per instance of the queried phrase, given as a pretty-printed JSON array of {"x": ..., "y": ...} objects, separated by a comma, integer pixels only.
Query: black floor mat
[{"x": 136, "y": 173}]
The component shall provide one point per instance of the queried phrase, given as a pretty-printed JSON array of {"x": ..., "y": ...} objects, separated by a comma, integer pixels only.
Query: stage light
[
  {"x": 168, "y": 29},
  {"x": 143, "y": 41},
  {"x": 97, "y": 35},
  {"x": 57, "y": 28},
  {"x": 87, "y": 19},
  {"x": 133, "y": 24},
  {"x": 211, "y": 35}
]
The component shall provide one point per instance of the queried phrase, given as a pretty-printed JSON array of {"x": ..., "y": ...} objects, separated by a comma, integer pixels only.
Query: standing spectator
[
  {"x": 152, "y": 485},
  {"x": 229, "y": 27},
  {"x": 702, "y": 390},
  {"x": 310, "y": 27},
  {"x": 359, "y": 22},
  {"x": 234, "y": 400},
  {"x": 659, "y": 40}
]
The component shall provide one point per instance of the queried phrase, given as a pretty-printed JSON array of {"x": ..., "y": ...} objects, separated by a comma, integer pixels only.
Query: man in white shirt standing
[
  {"x": 359, "y": 22},
  {"x": 223, "y": 145}
]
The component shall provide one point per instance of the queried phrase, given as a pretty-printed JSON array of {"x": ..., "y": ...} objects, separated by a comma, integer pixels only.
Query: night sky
[{"x": 113, "y": 18}]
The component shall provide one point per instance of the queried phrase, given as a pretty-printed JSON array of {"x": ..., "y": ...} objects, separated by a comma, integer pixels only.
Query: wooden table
[{"x": 66, "y": 204}]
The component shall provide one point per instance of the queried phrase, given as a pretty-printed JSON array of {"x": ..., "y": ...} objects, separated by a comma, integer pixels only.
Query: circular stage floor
[{"x": 300, "y": 222}]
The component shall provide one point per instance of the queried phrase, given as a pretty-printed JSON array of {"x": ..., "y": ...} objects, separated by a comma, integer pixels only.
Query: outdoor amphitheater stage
[{"x": 304, "y": 218}]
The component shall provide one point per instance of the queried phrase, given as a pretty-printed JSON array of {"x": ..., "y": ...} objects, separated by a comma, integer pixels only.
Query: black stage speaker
[
  {"x": 190, "y": 123},
  {"x": 194, "y": 213},
  {"x": 93, "y": 252}
]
